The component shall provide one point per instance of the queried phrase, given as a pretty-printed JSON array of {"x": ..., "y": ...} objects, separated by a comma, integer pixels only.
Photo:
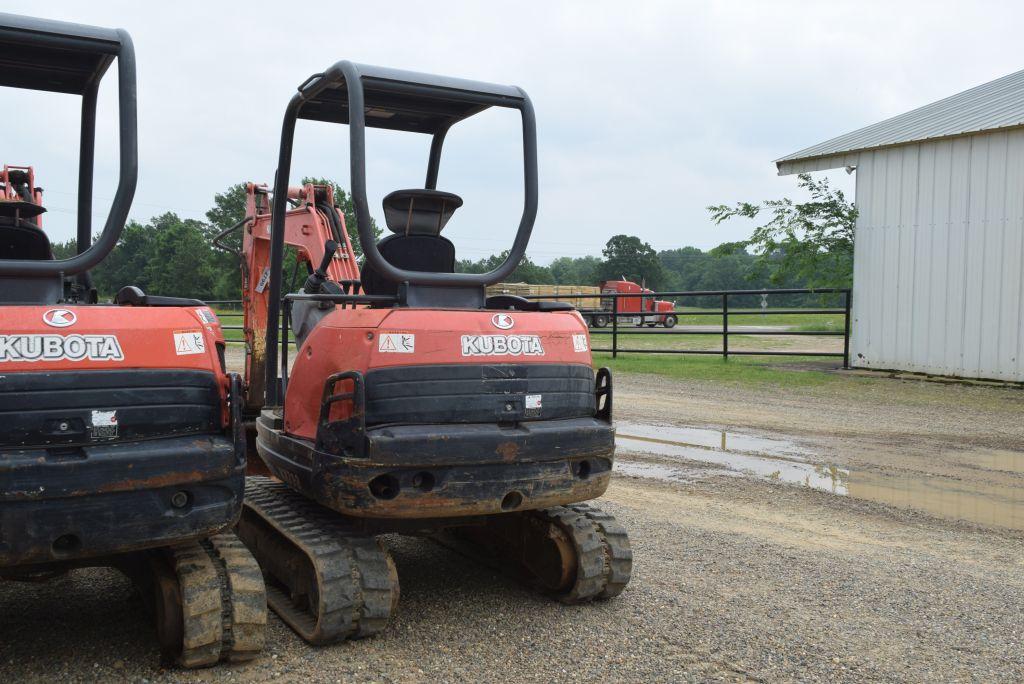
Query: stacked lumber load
[{"x": 557, "y": 293}]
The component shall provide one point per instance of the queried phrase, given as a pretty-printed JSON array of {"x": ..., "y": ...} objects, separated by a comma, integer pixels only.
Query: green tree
[
  {"x": 126, "y": 264},
  {"x": 684, "y": 267},
  {"x": 810, "y": 242},
  {"x": 181, "y": 262},
  {"x": 65, "y": 250},
  {"x": 575, "y": 270},
  {"x": 630, "y": 257},
  {"x": 228, "y": 209},
  {"x": 526, "y": 271}
]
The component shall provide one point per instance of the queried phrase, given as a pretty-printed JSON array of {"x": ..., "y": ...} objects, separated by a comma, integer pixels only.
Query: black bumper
[
  {"x": 439, "y": 471},
  {"x": 73, "y": 504}
]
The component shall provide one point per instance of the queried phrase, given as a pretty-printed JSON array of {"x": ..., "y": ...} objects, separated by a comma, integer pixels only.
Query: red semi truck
[{"x": 646, "y": 309}]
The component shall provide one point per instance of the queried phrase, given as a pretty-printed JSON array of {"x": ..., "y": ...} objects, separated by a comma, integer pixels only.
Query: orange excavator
[
  {"x": 413, "y": 403},
  {"x": 121, "y": 437}
]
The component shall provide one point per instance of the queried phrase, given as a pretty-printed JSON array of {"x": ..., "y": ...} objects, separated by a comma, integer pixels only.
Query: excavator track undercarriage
[
  {"x": 324, "y": 579},
  {"x": 207, "y": 598},
  {"x": 575, "y": 553}
]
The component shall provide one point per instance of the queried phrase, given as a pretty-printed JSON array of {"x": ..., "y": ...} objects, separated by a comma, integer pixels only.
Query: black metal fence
[
  {"x": 650, "y": 321},
  {"x": 620, "y": 331},
  {"x": 231, "y": 311}
]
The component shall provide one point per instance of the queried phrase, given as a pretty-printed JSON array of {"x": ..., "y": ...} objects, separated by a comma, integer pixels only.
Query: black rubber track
[
  {"x": 243, "y": 598},
  {"x": 600, "y": 546},
  {"x": 618, "y": 553},
  {"x": 223, "y": 602},
  {"x": 356, "y": 584},
  {"x": 201, "y": 605}
]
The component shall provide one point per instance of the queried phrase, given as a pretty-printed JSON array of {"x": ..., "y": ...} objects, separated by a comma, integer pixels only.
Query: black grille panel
[
  {"x": 57, "y": 408},
  {"x": 479, "y": 393}
]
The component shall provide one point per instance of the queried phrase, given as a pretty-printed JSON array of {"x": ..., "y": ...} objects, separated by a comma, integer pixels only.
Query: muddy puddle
[
  {"x": 660, "y": 471},
  {"x": 979, "y": 500}
]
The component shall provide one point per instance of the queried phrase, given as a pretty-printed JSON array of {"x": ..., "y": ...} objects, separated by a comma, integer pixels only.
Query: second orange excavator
[{"x": 412, "y": 402}]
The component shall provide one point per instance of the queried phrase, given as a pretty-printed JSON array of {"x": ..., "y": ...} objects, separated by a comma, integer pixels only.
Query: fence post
[
  {"x": 615, "y": 326},
  {"x": 846, "y": 321},
  {"x": 725, "y": 326}
]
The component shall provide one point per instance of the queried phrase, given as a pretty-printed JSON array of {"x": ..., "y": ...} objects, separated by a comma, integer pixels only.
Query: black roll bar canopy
[
  {"x": 60, "y": 57},
  {"x": 368, "y": 96}
]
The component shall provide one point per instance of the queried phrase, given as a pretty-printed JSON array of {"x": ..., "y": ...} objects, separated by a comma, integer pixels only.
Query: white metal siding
[{"x": 938, "y": 284}]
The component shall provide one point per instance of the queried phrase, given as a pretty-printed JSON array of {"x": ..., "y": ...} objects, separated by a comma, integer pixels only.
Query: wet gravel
[{"x": 734, "y": 580}]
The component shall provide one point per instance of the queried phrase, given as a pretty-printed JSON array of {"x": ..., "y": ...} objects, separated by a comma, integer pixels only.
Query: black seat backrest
[
  {"x": 21, "y": 241},
  {"x": 416, "y": 218},
  {"x": 431, "y": 253}
]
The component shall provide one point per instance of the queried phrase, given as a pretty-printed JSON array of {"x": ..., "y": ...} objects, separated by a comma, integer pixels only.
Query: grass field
[
  {"x": 230, "y": 316},
  {"x": 713, "y": 341},
  {"x": 792, "y": 371},
  {"x": 813, "y": 321}
]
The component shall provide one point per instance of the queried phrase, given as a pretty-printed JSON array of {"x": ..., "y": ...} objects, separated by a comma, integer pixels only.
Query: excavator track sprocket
[
  {"x": 327, "y": 583},
  {"x": 576, "y": 553},
  {"x": 209, "y": 602}
]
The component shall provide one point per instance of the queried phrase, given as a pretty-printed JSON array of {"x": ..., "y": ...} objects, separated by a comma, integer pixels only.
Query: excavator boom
[{"x": 312, "y": 221}]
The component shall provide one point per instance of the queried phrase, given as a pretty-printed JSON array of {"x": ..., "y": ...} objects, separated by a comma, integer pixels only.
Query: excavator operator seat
[
  {"x": 21, "y": 240},
  {"x": 20, "y": 235},
  {"x": 415, "y": 219}
]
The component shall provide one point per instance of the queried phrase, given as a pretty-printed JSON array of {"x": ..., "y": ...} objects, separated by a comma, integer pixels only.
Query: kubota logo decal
[
  {"x": 32, "y": 348},
  {"x": 502, "y": 321},
  {"x": 59, "y": 318},
  {"x": 501, "y": 345}
]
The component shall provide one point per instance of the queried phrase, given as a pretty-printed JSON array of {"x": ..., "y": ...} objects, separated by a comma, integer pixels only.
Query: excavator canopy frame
[
  {"x": 60, "y": 57},
  {"x": 368, "y": 96}
]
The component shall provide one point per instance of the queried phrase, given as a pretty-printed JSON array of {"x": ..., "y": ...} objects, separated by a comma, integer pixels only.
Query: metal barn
[{"x": 939, "y": 251}]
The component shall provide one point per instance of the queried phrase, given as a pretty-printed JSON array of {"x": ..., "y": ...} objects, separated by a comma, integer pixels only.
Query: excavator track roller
[{"x": 575, "y": 553}]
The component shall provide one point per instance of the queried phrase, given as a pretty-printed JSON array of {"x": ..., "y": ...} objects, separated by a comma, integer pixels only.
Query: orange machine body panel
[
  {"x": 366, "y": 339},
  {"x": 98, "y": 337}
]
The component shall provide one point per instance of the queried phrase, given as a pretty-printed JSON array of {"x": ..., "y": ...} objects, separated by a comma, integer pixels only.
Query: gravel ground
[{"x": 735, "y": 579}]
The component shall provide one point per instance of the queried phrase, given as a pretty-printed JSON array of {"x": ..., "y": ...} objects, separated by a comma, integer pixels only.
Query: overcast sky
[{"x": 647, "y": 111}]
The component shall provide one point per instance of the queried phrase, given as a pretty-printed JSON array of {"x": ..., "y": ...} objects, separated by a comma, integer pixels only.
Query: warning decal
[
  {"x": 396, "y": 343},
  {"x": 264, "y": 279},
  {"x": 189, "y": 342}
]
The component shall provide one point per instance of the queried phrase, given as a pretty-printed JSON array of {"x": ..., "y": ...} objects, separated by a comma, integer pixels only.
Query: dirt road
[{"x": 736, "y": 578}]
